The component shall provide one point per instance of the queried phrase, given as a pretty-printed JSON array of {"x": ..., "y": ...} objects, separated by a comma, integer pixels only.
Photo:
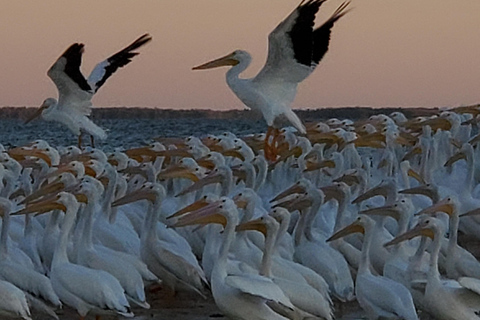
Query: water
[{"x": 124, "y": 132}]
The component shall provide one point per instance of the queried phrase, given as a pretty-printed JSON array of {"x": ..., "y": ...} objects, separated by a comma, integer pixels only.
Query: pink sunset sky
[{"x": 382, "y": 53}]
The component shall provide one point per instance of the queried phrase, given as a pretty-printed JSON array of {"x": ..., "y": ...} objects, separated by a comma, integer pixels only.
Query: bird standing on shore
[
  {"x": 75, "y": 92},
  {"x": 295, "y": 49}
]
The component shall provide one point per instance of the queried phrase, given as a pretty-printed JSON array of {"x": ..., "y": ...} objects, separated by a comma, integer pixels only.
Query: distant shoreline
[{"x": 353, "y": 113}]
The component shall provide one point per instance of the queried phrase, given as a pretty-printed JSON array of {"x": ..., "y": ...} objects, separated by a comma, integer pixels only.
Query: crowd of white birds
[{"x": 267, "y": 239}]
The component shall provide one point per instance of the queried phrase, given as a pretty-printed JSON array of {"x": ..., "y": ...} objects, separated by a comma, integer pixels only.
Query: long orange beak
[
  {"x": 296, "y": 188},
  {"x": 227, "y": 60},
  {"x": 203, "y": 216},
  {"x": 212, "y": 177},
  {"x": 376, "y": 191},
  {"x": 256, "y": 224},
  {"x": 415, "y": 232},
  {"x": 20, "y": 154},
  {"x": 177, "y": 171},
  {"x": 389, "y": 211},
  {"x": 442, "y": 206},
  {"x": 37, "y": 113},
  {"x": 141, "y": 194},
  {"x": 190, "y": 208},
  {"x": 355, "y": 227},
  {"x": 42, "y": 207}
]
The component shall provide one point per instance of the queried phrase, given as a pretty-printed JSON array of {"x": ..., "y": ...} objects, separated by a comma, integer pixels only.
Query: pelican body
[
  {"x": 295, "y": 49},
  {"x": 75, "y": 92}
]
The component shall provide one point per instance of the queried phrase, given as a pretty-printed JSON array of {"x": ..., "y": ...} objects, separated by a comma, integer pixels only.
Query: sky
[{"x": 382, "y": 53}]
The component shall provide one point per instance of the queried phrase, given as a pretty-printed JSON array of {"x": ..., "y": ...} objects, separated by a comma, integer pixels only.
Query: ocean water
[{"x": 124, "y": 132}]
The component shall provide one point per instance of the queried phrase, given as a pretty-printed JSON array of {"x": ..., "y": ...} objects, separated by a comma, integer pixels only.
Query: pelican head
[
  {"x": 47, "y": 103},
  {"x": 231, "y": 59}
]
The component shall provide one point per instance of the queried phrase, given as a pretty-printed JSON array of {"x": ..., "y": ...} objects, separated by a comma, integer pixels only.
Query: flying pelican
[
  {"x": 295, "y": 49},
  {"x": 75, "y": 92}
]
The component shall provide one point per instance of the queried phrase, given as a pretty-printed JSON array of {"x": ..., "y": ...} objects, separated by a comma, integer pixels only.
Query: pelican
[
  {"x": 295, "y": 49},
  {"x": 445, "y": 300},
  {"x": 75, "y": 92},
  {"x": 86, "y": 290},
  {"x": 237, "y": 295},
  {"x": 379, "y": 296}
]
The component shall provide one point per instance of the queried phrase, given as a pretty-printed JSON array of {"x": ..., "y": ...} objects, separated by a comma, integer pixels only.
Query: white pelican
[
  {"x": 379, "y": 297},
  {"x": 237, "y": 295},
  {"x": 13, "y": 303},
  {"x": 445, "y": 300},
  {"x": 75, "y": 92},
  {"x": 84, "y": 289},
  {"x": 295, "y": 49}
]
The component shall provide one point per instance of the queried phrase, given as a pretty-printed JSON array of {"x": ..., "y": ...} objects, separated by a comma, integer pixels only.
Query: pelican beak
[
  {"x": 355, "y": 227},
  {"x": 177, "y": 171},
  {"x": 470, "y": 213},
  {"x": 37, "y": 113},
  {"x": 423, "y": 190},
  {"x": 296, "y": 188},
  {"x": 228, "y": 60},
  {"x": 203, "y": 216},
  {"x": 42, "y": 207},
  {"x": 233, "y": 153},
  {"x": 455, "y": 158},
  {"x": 81, "y": 197},
  {"x": 409, "y": 155},
  {"x": 51, "y": 188},
  {"x": 442, "y": 206},
  {"x": 131, "y": 170},
  {"x": 182, "y": 153},
  {"x": 312, "y": 165},
  {"x": 377, "y": 191},
  {"x": 389, "y": 211},
  {"x": 141, "y": 194},
  {"x": 412, "y": 173},
  {"x": 374, "y": 140},
  {"x": 139, "y": 152},
  {"x": 256, "y": 224},
  {"x": 294, "y": 202},
  {"x": 332, "y": 192},
  {"x": 240, "y": 202},
  {"x": 60, "y": 169},
  {"x": 349, "y": 179},
  {"x": 104, "y": 180},
  {"x": 190, "y": 208},
  {"x": 239, "y": 173},
  {"x": 206, "y": 163},
  {"x": 89, "y": 171},
  {"x": 212, "y": 177},
  {"x": 415, "y": 232},
  {"x": 323, "y": 137},
  {"x": 438, "y": 123},
  {"x": 20, "y": 154}
]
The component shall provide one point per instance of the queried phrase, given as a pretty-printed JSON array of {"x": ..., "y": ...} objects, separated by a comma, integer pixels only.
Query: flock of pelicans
[
  {"x": 270, "y": 240},
  {"x": 267, "y": 223}
]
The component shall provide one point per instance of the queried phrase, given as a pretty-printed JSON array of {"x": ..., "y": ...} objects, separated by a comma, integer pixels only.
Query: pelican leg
[
  {"x": 274, "y": 145},
  {"x": 92, "y": 141},
  {"x": 80, "y": 140},
  {"x": 268, "y": 148}
]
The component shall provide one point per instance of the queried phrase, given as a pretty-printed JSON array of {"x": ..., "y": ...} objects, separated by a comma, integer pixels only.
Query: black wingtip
[{"x": 142, "y": 40}]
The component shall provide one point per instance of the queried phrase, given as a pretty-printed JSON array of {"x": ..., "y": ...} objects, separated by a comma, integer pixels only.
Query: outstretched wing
[
  {"x": 295, "y": 47},
  {"x": 73, "y": 89},
  {"x": 106, "y": 68}
]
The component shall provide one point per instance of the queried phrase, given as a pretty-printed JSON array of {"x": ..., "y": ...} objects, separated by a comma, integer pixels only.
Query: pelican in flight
[
  {"x": 75, "y": 92},
  {"x": 295, "y": 48}
]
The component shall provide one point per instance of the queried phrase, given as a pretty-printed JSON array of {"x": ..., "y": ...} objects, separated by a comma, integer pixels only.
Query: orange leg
[
  {"x": 267, "y": 148},
  {"x": 80, "y": 141}
]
